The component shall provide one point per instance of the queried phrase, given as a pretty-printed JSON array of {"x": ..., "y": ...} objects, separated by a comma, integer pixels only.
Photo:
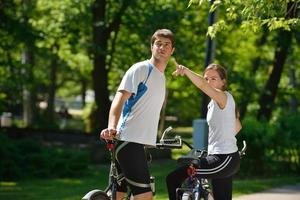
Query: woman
[{"x": 223, "y": 158}]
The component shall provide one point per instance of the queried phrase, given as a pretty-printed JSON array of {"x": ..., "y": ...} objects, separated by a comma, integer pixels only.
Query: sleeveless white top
[{"x": 221, "y": 124}]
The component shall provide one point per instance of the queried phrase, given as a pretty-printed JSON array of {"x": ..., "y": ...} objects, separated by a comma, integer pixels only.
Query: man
[{"x": 134, "y": 115}]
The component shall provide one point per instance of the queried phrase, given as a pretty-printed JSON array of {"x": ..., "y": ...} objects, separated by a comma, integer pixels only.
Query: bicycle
[
  {"x": 195, "y": 188},
  {"x": 110, "y": 192}
]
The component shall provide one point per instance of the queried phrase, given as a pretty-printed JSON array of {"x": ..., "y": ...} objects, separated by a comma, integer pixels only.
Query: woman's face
[{"x": 213, "y": 78}]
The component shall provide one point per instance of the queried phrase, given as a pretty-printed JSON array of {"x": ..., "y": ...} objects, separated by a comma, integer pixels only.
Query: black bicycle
[{"x": 110, "y": 192}]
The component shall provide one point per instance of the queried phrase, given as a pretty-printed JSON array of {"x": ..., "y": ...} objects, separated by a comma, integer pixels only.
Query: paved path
[{"x": 290, "y": 192}]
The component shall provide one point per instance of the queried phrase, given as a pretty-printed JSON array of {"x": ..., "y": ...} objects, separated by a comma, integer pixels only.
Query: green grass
[
  {"x": 75, "y": 188},
  {"x": 249, "y": 186},
  {"x": 55, "y": 189}
]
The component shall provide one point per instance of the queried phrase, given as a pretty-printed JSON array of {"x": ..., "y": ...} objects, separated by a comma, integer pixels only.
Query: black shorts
[
  {"x": 131, "y": 163},
  {"x": 219, "y": 165}
]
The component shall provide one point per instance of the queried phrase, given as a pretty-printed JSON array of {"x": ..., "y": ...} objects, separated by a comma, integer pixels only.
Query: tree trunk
[
  {"x": 51, "y": 91},
  {"x": 83, "y": 91},
  {"x": 100, "y": 73},
  {"x": 27, "y": 61},
  {"x": 284, "y": 40},
  {"x": 101, "y": 35},
  {"x": 163, "y": 116},
  {"x": 293, "y": 84},
  {"x": 247, "y": 97}
]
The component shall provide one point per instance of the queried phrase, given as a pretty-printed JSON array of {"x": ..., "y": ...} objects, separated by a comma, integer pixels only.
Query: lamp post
[
  {"x": 209, "y": 57},
  {"x": 200, "y": 127}
]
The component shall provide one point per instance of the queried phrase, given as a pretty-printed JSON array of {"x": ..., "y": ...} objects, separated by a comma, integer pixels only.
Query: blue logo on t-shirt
[{"x": 142, "y": 88}]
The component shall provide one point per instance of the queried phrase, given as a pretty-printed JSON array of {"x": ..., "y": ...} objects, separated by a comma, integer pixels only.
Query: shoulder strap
[{"x": 150, "y": 68}]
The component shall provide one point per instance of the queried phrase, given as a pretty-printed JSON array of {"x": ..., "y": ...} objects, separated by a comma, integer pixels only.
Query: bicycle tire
[
  {"x": 96, "y": 195},
  {"x": 100, "y": 196},
  {"x": 187, "y": 196},
  {"x": 190, "y": 196}
]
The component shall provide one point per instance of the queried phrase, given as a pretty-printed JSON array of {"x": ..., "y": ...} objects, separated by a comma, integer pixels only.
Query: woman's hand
[
  {"x": 108, "y": 133},
  {"x": 180, "y": 69}
]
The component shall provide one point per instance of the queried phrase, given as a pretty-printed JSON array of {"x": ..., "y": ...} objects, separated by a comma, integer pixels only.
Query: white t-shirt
[
  {"x": 140, "y": 115},
  {"x": 221, "y": 124}
]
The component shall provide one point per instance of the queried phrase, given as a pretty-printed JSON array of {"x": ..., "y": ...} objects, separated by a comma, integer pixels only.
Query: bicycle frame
[
  {"x": 199, "y": 187},
  {"x": 113, "y": 171},
  {"x": 193, "y": 188},
  {"x": 110, "y": 192}
]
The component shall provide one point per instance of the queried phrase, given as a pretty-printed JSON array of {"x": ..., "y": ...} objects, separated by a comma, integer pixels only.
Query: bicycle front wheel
[
  {"x": 191, "y": 196},
  {"x": 100, "y": 196},
  {"x": 96, "y": 195},
  {"x": 187, "y": 196}
]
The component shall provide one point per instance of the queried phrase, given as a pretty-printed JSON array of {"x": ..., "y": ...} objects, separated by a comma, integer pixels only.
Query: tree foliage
[
  {"x": 66, "y": 49},
  {"x": 252, "y": 15},
  {"x": 279, "y": 17}
]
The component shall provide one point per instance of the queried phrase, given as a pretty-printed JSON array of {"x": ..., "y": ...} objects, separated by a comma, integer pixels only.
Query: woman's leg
[
  {"x": 174, "y": 181},
  {"x": 220, "y": 169},
  {"x": 222, "y": 188}
]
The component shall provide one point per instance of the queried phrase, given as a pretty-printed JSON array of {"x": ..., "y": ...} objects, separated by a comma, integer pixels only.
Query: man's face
[{"x": 162, "y": 48}]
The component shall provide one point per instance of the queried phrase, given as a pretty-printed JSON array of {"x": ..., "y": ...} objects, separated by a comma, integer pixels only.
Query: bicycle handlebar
[
  {"x": 174, "y": 143},
  {"x": 177, "y": 142},
  {"x": 243, "y": 151}
]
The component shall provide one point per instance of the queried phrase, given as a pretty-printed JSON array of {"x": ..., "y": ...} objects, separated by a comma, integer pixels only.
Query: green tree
[
  {"x": 280, "y": 16},
  {"x": 107, "y": 18},
  {"x": 283, "y": 46},
  {"x": 17, "y": 37}
]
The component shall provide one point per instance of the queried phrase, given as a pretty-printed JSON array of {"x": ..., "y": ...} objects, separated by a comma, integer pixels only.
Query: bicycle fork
[{"x": 193, "y": 188}]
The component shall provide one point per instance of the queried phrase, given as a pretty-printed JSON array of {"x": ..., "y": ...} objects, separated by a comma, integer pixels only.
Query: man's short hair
[{"x": 166, "y": 33}]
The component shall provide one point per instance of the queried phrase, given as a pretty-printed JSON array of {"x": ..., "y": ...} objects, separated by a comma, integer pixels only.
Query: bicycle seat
[{"x": 192, "y": 157}]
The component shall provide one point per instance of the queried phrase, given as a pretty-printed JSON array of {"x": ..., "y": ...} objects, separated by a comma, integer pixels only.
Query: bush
[
  {"x": 29, "y": 158},
  {"x": 9, "y": 167},
  {"x": 273, "y": 147}
]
